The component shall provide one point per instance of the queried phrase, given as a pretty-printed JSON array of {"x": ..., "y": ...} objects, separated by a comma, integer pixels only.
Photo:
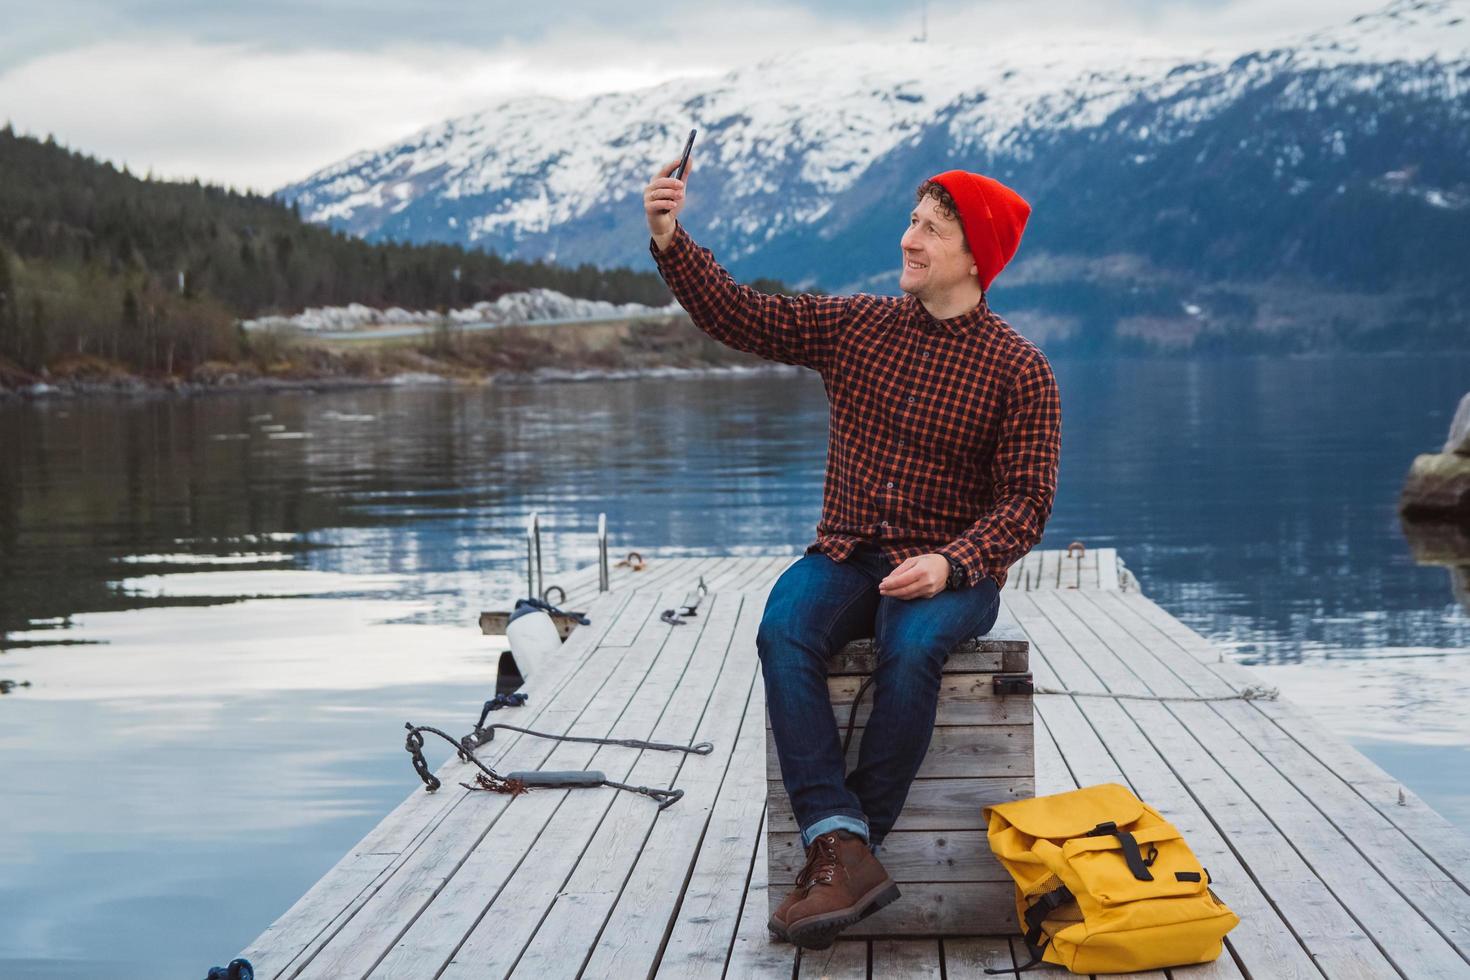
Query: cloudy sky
[{"x": 260, "y": 94}]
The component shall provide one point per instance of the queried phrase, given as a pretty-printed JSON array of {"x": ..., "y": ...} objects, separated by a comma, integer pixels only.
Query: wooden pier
[{"x": 1335, "y": 868}]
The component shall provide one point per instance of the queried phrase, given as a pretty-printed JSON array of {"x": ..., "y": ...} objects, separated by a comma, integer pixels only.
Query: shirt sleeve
[
  {"x": 1024, "y": 474},
  {"x": 800, "y": 330}
]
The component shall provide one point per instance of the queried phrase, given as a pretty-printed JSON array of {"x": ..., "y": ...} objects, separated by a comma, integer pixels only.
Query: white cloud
[{"x": 253, "y": 115}]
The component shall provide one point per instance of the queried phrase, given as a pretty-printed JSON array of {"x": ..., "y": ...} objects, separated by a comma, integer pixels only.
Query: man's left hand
[{"x": 916, "y": 578}]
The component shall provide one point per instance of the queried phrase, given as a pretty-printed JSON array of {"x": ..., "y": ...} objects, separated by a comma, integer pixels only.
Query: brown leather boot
[
  {"x": 845, "y": 883},
  {"x": 777, "y": 922}
]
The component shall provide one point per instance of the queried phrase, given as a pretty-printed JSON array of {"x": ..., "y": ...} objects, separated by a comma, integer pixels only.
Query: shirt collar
[{"x": 969, "y": 322}]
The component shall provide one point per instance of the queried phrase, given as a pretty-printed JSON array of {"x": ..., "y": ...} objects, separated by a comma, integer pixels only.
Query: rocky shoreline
[
  {"x": 132, "y": 386},
  {"x": 527, "y": 354}
]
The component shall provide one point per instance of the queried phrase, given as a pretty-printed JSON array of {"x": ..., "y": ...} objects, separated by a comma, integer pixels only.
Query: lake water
[{"x": 228, "y": 606}]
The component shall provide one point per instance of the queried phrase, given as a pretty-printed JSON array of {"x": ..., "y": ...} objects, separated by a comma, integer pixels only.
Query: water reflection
[
  {"x": 225, "y": 630},
  {"x": 1446, "y": 544}
]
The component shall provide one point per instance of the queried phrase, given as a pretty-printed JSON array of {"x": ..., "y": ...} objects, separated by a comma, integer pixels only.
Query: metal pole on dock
[
  {"x": 533, "y": 556},
  {"x": 602, "y": 576}
]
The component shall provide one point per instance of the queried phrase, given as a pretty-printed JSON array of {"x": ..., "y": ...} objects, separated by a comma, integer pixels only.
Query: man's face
[{"x": 935, "y": 261}]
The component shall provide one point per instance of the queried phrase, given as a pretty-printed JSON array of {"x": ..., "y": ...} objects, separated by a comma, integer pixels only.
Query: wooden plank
[
  {"x": 637, "y": 852},
  {"x": 987, "y": 908},
  {"x": 1107, "y": 569},
  {"x": 1316, "y": 805},
  {"x": 722, "y": 575},
  {"x": 981, "y": 750},
  {"x": 907, "y": 958},
  {"x": 766, "y": 577},
  {"x": 1341, "y": 865},
  {"x": 763, "y": 576},
  {"x": 755, "y": 953},
  {"x": 512, "y": 875},
  {"x": 1163, "y": 670},
  {"x": 1052, "y": 774},
  {"x": 648, "y": 855},
  {"x": 968, "y": 959},
  {"x": 1104, "y": 731},
  {"x": 647, "y": 908},
  {"x": 1016, "y": 574},
  {"x": 585, "y": 849},
  {"x": 953, "y": 855},
  {"x": 317, "y": 915},
  {"x": 1442, "y": 842},
  {"x": 704, "y": 925},
  {"x": 437, "y": 859},
  {"x": 843, "y": 960},
  {"x": 1003, "y": 648},
  {"x": 682, "y": 576},
  {"x": 1060, "y": 778},
  {"x": 964, "y": 699},
  {"x": 580, "y": 586},
  {"x": 566, "y": 682},
  {"x": 1166, "y": 767},
  {"x": 932, "y": 804},
  {"x": 1311, "y": 803}
]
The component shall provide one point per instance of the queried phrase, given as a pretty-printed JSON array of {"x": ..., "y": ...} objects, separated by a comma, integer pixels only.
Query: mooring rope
[
  {"x": 489, "y": 780},
  {"x": 1251, "y": 692}
]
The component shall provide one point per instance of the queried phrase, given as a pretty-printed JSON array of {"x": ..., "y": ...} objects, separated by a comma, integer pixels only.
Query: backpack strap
[
  {"x": 1035, "y": 915},
  {"x": 1131, "y": 853}
]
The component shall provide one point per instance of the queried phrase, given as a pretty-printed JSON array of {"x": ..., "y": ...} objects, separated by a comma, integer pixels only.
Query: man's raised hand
[{"x": 663, "y": 199}]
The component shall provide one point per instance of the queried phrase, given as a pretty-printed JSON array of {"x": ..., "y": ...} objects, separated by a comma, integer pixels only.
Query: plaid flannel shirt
[{"x": 944, "y": 435}]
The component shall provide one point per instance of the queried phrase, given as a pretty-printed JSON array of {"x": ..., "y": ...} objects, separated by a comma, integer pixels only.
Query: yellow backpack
[{"x": 1106, "y": 885}]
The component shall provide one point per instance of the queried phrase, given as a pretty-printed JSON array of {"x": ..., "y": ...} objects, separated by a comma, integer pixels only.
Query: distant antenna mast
[{"x": 923, "y": 23}]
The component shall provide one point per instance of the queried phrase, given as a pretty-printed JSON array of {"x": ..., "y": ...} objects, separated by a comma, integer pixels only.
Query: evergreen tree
[
  {"x": 9, "y": 309},
  {"x": 37, "y": 350}
]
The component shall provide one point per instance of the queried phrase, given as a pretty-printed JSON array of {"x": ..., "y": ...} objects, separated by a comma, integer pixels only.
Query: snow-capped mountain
[{"x": 1157, "y": 177}]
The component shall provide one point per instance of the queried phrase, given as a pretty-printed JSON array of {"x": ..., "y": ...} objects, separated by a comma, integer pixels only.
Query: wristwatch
[{"x": 957, "y": 577}]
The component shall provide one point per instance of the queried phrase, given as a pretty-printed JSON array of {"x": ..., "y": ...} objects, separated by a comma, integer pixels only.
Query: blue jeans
[{"x": 815, "y": 608}]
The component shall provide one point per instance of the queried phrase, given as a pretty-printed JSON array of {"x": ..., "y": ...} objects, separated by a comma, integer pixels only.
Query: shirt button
[
  {"x": 900, "y": 442},
  {"x": 926, "y": 353},
  {"x": 890, "y": 484},
  {"x": 884, "y": 523},
  {"x": 911, "y": 399}
]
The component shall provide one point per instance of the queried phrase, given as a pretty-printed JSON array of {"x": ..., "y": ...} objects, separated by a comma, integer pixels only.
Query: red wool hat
[{"x": 992, "y": 215}]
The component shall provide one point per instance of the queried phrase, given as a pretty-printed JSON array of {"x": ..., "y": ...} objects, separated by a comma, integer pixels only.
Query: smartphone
[{"x": 678, "y": 173}]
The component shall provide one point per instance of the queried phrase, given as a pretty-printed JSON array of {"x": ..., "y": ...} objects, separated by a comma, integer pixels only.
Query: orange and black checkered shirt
[{"x": 944, "y": 434}]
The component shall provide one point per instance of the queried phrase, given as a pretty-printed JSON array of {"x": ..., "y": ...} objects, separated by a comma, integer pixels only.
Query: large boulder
[
  {"x": 1438, "y": 486},
  {"x": 1459, "y": 440}
]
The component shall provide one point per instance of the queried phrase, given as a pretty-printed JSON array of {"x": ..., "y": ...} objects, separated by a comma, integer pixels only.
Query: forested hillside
[{"x": 97, "y": 262}]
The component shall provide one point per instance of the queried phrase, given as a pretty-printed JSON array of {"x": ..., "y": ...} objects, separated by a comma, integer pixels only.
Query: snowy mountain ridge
[
  {"x": 549, "y": 161},
  {"x": 1338, "y": 159}
]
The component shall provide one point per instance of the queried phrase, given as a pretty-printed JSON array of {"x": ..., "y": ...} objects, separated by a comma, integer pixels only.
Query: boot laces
[{"x": 821, "y": 862}]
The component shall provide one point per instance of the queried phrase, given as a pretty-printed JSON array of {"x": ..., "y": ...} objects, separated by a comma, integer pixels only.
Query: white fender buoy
[{"x": 533, "y": 636}]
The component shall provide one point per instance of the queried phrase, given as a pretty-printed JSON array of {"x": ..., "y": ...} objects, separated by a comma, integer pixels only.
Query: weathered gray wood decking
[{"x": 1334, "y": 868}]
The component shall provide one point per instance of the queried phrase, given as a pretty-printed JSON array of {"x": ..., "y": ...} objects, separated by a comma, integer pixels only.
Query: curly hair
[{"x": 946, "y": 204}]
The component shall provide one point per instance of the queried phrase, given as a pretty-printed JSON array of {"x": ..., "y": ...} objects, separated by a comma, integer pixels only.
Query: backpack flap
[
  {"x": 1065, "y": 815},
  {"x": 1027, "y": 835}
]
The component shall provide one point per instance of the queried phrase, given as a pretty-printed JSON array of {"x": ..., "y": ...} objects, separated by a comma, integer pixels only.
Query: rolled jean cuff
[{"x": 838, "y": 821}]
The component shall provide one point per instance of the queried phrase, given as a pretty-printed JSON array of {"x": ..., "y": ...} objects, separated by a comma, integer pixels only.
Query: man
[{"x": 944, "y": 435}]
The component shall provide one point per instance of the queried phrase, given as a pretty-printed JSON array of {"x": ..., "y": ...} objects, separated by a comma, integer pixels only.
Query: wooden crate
[{"x": 982, "y": 752}]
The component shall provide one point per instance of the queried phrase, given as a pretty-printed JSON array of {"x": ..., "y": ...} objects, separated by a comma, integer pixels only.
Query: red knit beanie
[{"x": 992, "y": 215}]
